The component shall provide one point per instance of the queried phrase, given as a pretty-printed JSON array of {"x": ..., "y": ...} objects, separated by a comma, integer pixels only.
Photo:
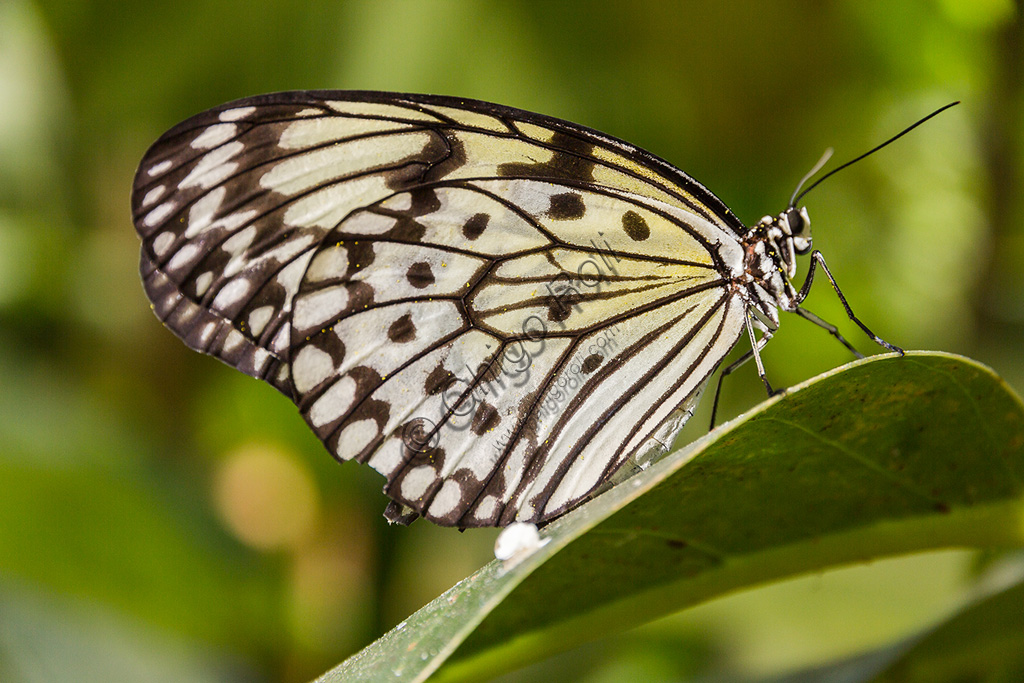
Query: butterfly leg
[
  {"x": 828, "y": 327},
  {"x": 755, "y": 348},
  {"x": 721, "y": 376},
  {"x": 755, "y": 353},
  {"x": 818, "y": 259}
]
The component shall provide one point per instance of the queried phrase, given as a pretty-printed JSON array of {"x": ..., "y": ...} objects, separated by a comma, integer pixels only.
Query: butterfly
[{"x": 499, "y": 311}]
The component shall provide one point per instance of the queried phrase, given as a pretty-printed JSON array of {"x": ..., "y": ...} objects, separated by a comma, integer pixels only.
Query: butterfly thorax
[{"x": 770, "y": 250}]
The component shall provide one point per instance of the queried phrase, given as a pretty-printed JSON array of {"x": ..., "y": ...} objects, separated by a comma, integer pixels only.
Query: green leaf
[{"x": 884, "y": 456}]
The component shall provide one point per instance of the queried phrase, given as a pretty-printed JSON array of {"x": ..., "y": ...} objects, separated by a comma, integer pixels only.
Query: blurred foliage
[{"x": 126, "y": 552}]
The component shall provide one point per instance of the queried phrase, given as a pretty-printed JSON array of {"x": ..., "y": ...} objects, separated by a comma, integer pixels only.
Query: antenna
[
  {"x": 807, "y": 176},
  {"x": 793, "y": 201}
]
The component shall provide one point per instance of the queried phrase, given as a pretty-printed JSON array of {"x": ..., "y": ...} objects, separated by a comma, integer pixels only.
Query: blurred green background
[{"x": 165, "y": 518}]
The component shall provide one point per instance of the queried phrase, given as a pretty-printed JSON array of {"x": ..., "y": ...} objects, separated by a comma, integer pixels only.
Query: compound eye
[
  {"x": 800, "y": 226},
  {"x": 795, "y": 220}
]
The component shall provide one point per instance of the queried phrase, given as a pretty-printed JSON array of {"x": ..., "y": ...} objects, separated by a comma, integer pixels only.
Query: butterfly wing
[{"x": 492, "y": 308}]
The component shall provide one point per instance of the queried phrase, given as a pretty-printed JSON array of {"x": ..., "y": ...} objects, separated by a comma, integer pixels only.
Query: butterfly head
[
  {"x": 790, "y": 235},
  {"x": 799, "y": 225}
]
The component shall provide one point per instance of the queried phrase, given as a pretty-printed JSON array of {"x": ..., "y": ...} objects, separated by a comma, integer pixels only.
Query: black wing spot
[
  {"x": 635, "y": 226},
  {"x": 567, "y": 206},
  {"x": 485, "y": 419},
  {"x": 402, "y": 330},
  {"x": 420, "y": 275},
  {"x": 560, "y": 306},
  {"x": 591, "y": 363},
  {"x": 360, "y": 255},
  {"x": 475, "y": 226},
  {"x": 438, "y": 380}
]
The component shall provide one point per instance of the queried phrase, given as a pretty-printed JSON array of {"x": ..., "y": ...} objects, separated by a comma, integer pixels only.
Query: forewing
[{"x": 492, "y": 308}]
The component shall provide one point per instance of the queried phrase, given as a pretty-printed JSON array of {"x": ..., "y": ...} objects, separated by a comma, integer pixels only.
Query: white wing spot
[
  {"x": 154, "y": 195},
  {"x": 538, "y": 133},
  {"x": 157, "y": 169},
  {"x": 215, "y": 135},
  {"x": 236, "y": 246},
  {"x": 399, "y": 202},
  {"x": 470, "y": 118},
  {"x": 447, "y": 499},
  {"x": 291, "y": 275},
  {"x": 260, "y": 358},
  {"x": 417, "y": 481},
  {"x": 318, "y": 129},
  {"x": 282, "y": 340},
  {"x": 236, "y": 114},
  {"x": 239, "y": 242},
  {"x": 313, "y": 309},
  {"x": 233, "y": 341},
  {"x": 234, "y": 266},
  {"x": 342, "y": 159},
  {"x": 231, "y": 294},
  {"x": 184, "y": 257},
  {"x": 334, "y": 403},
  {"x": 327, "y": 207},
  {"x": 208, "y": 330},
  {"x": 310, "y": 367},
  {"x": 360, "y": 109},
  {"x": 203, "y": 283},
  {"x": 259, "y": 318},
  {"x": 526, "y": 511},
  {"x": 159, "y": 214},
  {"x": 327, "y": 264},
  {"x": 355, "y": 437},
  {"x": 235, "y": 219},
  {"x": 163, "y": 242},
  {"x": 214, "y": 167},
  {"x": 388, "y": 457},
  {"x": 200, "y": 216},
  {"x": 486, "y": 507},
  {"x": 366, "y": 223},
  {"x": 187, "y": 313}
]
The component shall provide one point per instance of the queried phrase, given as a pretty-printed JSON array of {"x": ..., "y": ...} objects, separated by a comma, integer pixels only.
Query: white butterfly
[{"x": 494, "y": 309}]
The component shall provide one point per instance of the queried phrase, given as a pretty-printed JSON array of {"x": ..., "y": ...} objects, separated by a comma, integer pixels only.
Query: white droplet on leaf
[{"x": 517, "y": 541}]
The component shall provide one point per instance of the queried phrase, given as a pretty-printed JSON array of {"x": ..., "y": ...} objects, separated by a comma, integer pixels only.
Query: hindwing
[{"x": 492, "y": 308}]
